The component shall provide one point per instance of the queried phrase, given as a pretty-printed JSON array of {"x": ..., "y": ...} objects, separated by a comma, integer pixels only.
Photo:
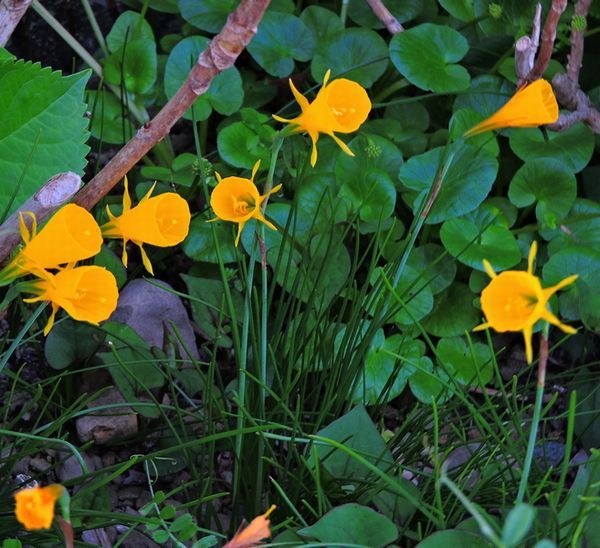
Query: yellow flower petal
[
  {"x": 252, "y": 535},
  {"x": 341, "y": 106},
  {"x": 34, "y": 507},
  {"x": 532, "y": 105}
]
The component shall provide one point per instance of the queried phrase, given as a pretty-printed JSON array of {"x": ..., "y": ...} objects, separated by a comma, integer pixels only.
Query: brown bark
[
  {"x": 57, "y": 191},
  {"x": 385, "y": 16},
  {"x": 11, "y": 12},
  {"x": 221, "y": 54}
]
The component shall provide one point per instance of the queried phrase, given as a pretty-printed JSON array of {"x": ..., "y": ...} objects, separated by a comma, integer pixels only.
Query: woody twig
[
  {"x": 385, "y": 16},
  {"x": 11, "y": 12}
]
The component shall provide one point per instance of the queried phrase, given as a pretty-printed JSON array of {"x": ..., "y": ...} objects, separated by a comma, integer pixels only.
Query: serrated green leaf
[
  {"x": 42, "y": 128},
  {"x": 357, "y": 54},
  {"x": 426, "y": 55}
]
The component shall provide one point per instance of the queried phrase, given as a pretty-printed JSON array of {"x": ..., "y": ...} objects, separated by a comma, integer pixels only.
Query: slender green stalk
[
  {"x": 568, "y": 447},
  {"x": 344, "y": 11},
  {"x": 9, "y": 352},
  {"x": 59, "y": 441},
  {"x": 537, "y": 411},
  {"x": 95, "y": 27}
]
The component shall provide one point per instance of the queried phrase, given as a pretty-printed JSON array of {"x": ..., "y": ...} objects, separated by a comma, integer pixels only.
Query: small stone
[
  {"x": 40, "y": 464},
  {"x": 71, "y": 468},
  {"x": 132, "y": 492}
]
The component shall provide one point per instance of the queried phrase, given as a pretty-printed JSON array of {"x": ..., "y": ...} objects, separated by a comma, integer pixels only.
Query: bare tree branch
[
  {"x": 385, "y": 16},
  {"x": 57, "y": 191},
  {"x": 548, "y": 38},
  {"x": 526, "y": 48},
  {"x": 575, "y": 57},
  {"x": 11, "y": 12},
  {"x": 221, "y": 53}
]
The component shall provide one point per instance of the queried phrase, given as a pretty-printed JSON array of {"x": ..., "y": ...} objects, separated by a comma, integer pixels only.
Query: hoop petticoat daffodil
[
  {"x": 531, "y": 106},
  {"x": 340, "y": 106},
  {"x": 162, "y": 220},
  {"x": 514, "y": 301},
  {"x": 237, "y": 199},
  {"x": 34, "y": 507},
  {"x": 252, "y": 535},
  {"x": 86, "y": 293},
  {"x": 70, "y": 235}
]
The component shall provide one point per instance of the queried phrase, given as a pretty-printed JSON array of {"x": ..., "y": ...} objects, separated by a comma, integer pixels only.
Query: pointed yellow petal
[
  {"x": 342, "y": 145},
  {"x": 275, "y": 189},
  {"x": 551, "y": 318},
  {"x": 258, "y": 215},
  {"x": 50, "y": 323},
  {"x": 255, "y": 170},
  {"x": 239, "y": 232},
  {"x": 25, "y": 236},
  {"x": 149, "y": 193},
  {"x": 124, "y": 254},
  {"x": 549, "y": 291},
  {"x": 218, "y": 176},
  {"x": 282, "y": 119},
  {"x": 302, "y": 101},
  {"x": 145, "y": 259},
  {"x": 126, "y": 196},
  {"x": 489, "y": 269},
  {"x": 326, "y": 77},
  {"x": 109, "y": 213},
  {"x": 531, "y": 259},
  {"x": 213, "y": 220},
  {"x": 482, "y": 327},
  {"x": 527, "y": 334},
  {"x": 313, "y": 154}
]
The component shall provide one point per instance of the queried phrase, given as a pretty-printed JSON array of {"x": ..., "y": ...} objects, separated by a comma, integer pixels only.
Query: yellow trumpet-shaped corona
[
  {"x": 341, "y": 106},
  {"x": 34, "y": 507},
  {"x": 514, "y": 301},
  {"x": 162, "y": 220},
  {"x": 71, "y": 235},
  {"x": 531, "y": 106},
  {"x": 237, "y": 199},
  {"x": 252, "y": 535},
  {"x": 86, "y": 293}
]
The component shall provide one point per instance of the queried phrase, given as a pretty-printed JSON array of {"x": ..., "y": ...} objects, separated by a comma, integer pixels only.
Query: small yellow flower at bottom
[
  {"x": 514, "y": 301},
  {"x": 34, "y": 507},
  {"x": 252, "y": 535},
  {"x": 341, "y": 106},
  {"x": 237, "y": 199},
  {"x": 86, "y": 293}
]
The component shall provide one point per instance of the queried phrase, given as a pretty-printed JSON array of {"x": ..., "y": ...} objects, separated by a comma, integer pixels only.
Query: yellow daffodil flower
[
  {"x": 86, "y": 293},
  {"x": 340, "y": 106},
  {"x": 531, "y": 106},
  {"x": 34, "y": 507},
  {"x": 252, "y": 535},
  {"x": 237, "y": 199},
  {"x": 163, "y": 221},
  {"x": 71, "y": 235},
  {"x": 514, "y": 301}
]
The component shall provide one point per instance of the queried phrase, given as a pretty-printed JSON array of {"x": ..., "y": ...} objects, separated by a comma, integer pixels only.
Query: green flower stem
[
  {"x": 537, "y": 411},
  {"x": 140, "y": 115},
  {"x": 95, "y": 27},
  {"x": 344, "y": 11}
]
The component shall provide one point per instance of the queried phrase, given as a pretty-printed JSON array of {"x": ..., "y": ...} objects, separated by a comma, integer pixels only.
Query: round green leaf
[
  {"x": 107, "y": 118},
  {"x": 240, "y": 146},
  {"x": 318, "y": 198},
  {"x": 372, "y": 195},
  {"x": 380, "y": 366},
  {"x": 280, "y": 39},
  {"x": 436, "y": 268},
  {"x": 453, "y": 537},
  {"x": 425, "y": 384},
  {"x": 200, "y": 246},
  {"x": 225, "y": 93},
  {"x": 427, "y": 55},
  {"x": 129, "y": 26},
  {"x": 417, "y": 297},
  {"x": 466, "y": 184},
  {"x": 465, "y": 119},
  {"x": 322, "y": 22},
  {"x": 71, "y": 343},
  {"x": 453, "y": 312},
  {"x": 135, "y": 64},
  {"x": 467, "y": 367},
  {"x": 549, "y": 184},
  {"x": 353, "y": 524},
  {"x": 582, "y": 224},
  {"x": 208, "y": 15},
  {"x": 403, "y": 10},
  {"x": 573, "y": 148},
  {"x": 460, "y": 9},
  {"x": 357, "y": 54},
  {"x": 478, "y": 236},
  {"x": 486, "y": 95},
  {"x": 517, "y": 524}
]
